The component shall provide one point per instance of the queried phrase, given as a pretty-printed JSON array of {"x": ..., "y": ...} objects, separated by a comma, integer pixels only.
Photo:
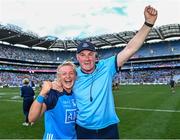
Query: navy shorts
[{"x": 110, "y": 132}]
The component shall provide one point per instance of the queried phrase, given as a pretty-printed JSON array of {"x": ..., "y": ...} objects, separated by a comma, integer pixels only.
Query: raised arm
[
  {"x": 136, "y": 42},
  {"x": 38, "y": 107}
]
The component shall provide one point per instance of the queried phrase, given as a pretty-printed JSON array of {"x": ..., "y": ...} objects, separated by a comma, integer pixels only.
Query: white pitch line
[
  {"x": 124, "y": 108},
  {"x": 8, "y": 93},
  {"x": 11, "y": 100},
  {"x": 147, "y": 109}
]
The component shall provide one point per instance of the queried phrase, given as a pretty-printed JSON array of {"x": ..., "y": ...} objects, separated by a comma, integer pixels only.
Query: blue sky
[{"x": 68, "y": 19}]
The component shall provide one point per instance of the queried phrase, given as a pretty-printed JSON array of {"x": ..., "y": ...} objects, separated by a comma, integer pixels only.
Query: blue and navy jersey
[
  {"x": 94, "y": 97},
  {"x": 60, "y": 115},
  {"x": 27, "y": 92}
]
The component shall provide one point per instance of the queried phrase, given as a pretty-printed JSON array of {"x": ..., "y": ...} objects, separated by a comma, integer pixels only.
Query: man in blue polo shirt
[{"x": 96, "y": 117}]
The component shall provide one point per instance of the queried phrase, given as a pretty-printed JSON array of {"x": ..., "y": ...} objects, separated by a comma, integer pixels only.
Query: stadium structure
[{"x": 156, "y": 61}]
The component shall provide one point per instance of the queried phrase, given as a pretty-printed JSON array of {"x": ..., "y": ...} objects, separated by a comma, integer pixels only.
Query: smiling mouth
[{"x": 68, "y": 82}]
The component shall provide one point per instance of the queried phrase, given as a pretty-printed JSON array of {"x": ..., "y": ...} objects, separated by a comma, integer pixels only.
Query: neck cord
[{"x": 92, "y": 78}]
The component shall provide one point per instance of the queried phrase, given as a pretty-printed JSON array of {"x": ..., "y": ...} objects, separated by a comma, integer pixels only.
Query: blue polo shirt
[
  {"x": 60, "y": 115},
  {"x": 93, "y": 93}
]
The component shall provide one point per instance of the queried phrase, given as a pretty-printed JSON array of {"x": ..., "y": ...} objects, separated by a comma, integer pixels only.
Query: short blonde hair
[
  {"x": 67, "y": 63},
  {"x": 25, "y": 81}
]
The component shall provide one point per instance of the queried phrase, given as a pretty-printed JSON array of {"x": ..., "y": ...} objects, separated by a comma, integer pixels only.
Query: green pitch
[{"x": 146, "y": 112}]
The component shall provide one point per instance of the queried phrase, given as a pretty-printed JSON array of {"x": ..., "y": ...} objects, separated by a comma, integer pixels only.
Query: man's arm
[{"x": 136, "y": 42}]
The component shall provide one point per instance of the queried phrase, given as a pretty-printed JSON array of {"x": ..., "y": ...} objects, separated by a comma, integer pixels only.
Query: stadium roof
[{"x": 15, "y": 35}]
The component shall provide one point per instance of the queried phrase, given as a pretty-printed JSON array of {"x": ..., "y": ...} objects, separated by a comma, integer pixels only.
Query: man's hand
[
  {"x": 47, "y": 85},
  {"x": 57, "y": 86},
  {"x": 150, "y": 14}
]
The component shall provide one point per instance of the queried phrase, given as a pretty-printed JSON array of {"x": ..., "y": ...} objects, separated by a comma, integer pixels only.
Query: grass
[
  {"x": 145, "y": 112},
  {"x": 11, "y": 117},
  {"x": 143, "y": 124}
]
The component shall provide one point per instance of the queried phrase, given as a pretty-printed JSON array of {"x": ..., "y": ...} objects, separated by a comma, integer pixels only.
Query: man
[
  {"x": 116, "y": 82},
  {"x": 172, "y": 84},
  {"x": 93, "y": 88},
  {"x": 58, "y": 105},
  {"x": 96, "y": 118}
]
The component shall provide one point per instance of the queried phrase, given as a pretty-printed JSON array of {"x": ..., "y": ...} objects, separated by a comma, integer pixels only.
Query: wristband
[
  {"x": 148, "y": 24},
  {"x": 40, "y": 99}
]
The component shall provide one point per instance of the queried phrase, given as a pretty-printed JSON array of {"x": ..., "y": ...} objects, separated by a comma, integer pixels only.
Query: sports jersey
[
  {"x": 60, "y": 115},
  {"x": 93, "y": 93}
]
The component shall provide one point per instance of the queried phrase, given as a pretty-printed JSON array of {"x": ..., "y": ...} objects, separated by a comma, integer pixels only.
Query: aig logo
[{"x": 70, "y": 116}]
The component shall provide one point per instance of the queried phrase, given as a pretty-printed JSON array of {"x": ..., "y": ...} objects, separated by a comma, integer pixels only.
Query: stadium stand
[{"x": 153, "y": 63}]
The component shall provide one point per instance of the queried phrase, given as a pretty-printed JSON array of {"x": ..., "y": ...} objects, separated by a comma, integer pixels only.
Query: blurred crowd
[{"x": 132, "y": 72}]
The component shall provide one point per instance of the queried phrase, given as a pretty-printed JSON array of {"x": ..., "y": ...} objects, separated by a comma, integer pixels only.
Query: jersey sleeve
[
  {"x": 51, "y": 99},
  {"x": 111, "y": 64}
]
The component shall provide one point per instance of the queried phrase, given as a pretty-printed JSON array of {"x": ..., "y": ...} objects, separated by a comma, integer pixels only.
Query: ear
[{"x": 77, "y": 56}]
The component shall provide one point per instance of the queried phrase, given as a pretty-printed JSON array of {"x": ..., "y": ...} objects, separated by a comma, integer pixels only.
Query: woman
[
  {"x": 28, "y": 97},
  {"x": 58, "y": 105}
]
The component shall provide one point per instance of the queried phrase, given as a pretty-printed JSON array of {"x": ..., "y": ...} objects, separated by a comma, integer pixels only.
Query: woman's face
[{"x": 66, "y": 75}]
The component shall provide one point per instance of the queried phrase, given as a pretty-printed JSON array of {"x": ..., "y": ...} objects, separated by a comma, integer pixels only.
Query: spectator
[
  {"x": 172, "y": 84},
  {"x": 27, "y": 93}
]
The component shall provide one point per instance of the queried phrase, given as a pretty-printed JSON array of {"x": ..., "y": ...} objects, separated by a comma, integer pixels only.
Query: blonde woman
[{"x": 58, "y": 105}]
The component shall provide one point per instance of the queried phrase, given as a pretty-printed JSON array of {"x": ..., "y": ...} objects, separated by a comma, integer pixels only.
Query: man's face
[
  {"x": 66, "y": 75},
  {"x": 87, "y": 60}
]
